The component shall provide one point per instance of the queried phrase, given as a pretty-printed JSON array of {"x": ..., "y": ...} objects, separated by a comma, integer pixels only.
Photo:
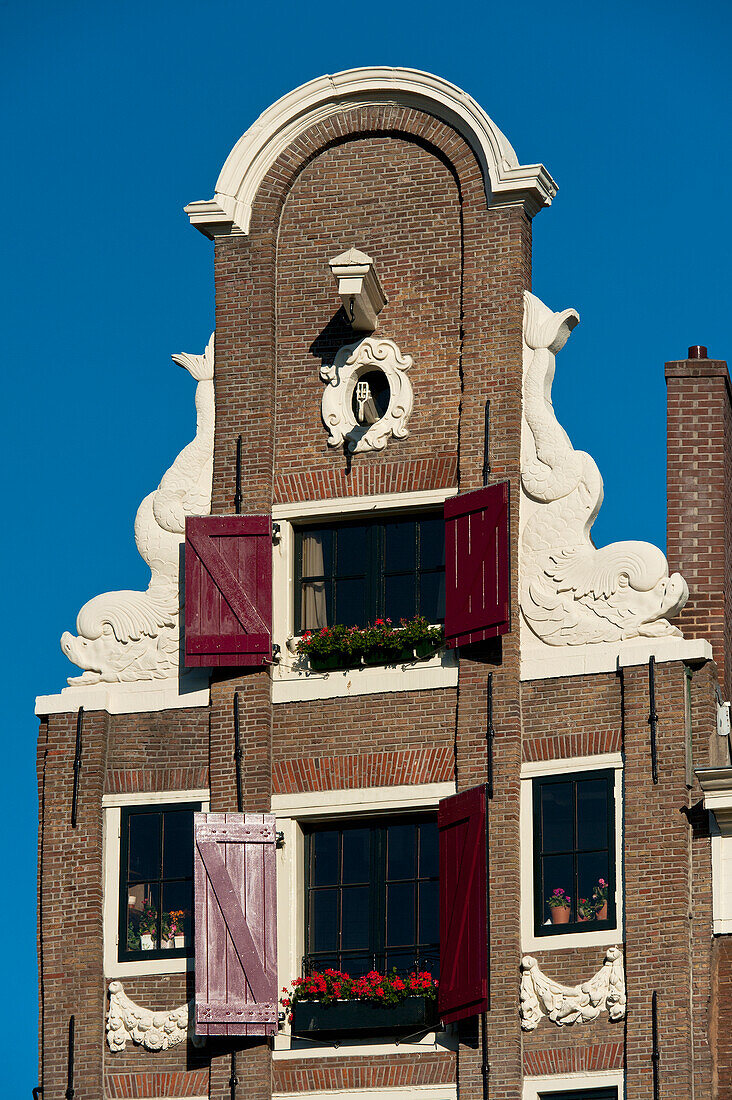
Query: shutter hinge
[
  {"x": 276, "y": 531},
  {"x": 279, "y": 839},
  {"x": 276, "y": 652}
]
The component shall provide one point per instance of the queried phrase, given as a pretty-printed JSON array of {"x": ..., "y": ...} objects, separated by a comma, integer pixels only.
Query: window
[
  {"x": 372, "y": 897},
  {"x": 156, "y": 881},
  {"x": 583, "y": 1094},
  {"x": 353, "y": 573},
  {"x": 574, "y": 853}
]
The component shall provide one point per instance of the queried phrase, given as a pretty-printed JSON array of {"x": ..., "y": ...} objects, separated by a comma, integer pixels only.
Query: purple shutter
[
  {"x": 228, "y": 597},
  {"x": 236, "y": 924},
  {"x": 461, "y": 821},
  {"x": 477, "y": 565}
]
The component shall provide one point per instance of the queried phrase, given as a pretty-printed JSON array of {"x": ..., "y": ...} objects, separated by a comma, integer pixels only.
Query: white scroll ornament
[
  {"x": 129, "y": 1022},
  {"x": 351, "y": 363},
  {"x": 565, "y": 1004}
]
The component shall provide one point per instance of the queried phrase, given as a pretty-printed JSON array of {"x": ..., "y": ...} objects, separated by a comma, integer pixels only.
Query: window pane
[
  {"x": 591, "y": 867},
  {"x": 557, "y": 817},
  {"x": 144, "y": 846},
  {"x": 429, "y": 864},
  {"x": 355, "y": 964},
  {"x": 400, "y": 554},
  {"x": 352, "y": 546},
  {"x": 356, "y": 855},
  {"x": 432, "y": 543},
  {"x": 324, "y": 920},
  {"x": 592, "y": 813},
  {"x": 400, "y": 923},
  {"x": 178, "y": 844},
  {"x": 400, "y": 601},
  {"x": 324, "y": 865},
  {"x": 177, "y": 914},
  {"x": 429, "y": 912},
  {"x": 355, "y": 919},
  {"x": 350, "y": 602},
  {"x": 558, "y": 874},
  {"x": 142, "y": 917},
  {"x": 432, "y": 596},
  {"x": 404, "y": 959},
  {"x": 401, "y": 851}
]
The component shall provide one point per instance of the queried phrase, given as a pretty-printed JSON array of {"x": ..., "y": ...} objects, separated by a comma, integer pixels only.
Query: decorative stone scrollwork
[
  {"x": 564, "y": 1004},
  {"x": 370, "y": 356},
  {"x": 128, "y": 1022},
  {"x": 572, "y": 592},
  {"x": 124, "y": 636}
]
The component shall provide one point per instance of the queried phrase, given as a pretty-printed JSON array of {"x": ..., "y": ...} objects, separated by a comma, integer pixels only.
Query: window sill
[
  {"x": 604, "y": 937},
  {"x": 288, "y": 1046},
  {"x": 145, "y": 967},
  {"x": 291, "y": 683}
]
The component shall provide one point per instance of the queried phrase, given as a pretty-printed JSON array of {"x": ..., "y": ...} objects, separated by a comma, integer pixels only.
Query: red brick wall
[{"x": 699, "y": 491}]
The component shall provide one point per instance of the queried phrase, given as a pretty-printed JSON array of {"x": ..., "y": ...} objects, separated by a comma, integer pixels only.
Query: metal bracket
[
  {"x": 279, "y": 839},
  {"x": 276, "y": 531}
]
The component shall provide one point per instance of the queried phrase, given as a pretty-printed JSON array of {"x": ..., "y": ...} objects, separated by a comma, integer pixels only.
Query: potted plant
[
  {"x": 331, "y": 1002},
  {"x": 599, "y": 897},
  {"x": 586, "y": 909},
  {"x": 382, "y": 643},
  {"x": 560, "y": 904},
  {"x": 148, "y": 928},
  {"x": 174, "y": 928}
]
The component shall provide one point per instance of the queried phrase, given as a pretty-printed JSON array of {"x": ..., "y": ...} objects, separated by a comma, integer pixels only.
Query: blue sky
[{"x": 116, "y": 116}]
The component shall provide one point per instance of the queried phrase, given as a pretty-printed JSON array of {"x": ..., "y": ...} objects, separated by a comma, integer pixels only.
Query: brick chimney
[{"x": 699, "y": 498}]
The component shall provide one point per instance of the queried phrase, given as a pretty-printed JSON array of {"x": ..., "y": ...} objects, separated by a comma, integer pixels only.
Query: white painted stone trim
[
  {"x": 151, "y": 1028},
  {"x": 112, "y": 816},
  {"x": 291, "y": 810},
  {"x": 291, "y": 683},
  {"x": 351, "y": 362},
  {"x": 191, "y": 690},
  {"x": 536, "y": 1087},
  {"x": 605, "y": 937},
  {"x": 544, "y": 662},
  {"x": 565, "y": 1005},
  {"x": 414, "y": 1092},
  {"x": 504, "y": 179}
]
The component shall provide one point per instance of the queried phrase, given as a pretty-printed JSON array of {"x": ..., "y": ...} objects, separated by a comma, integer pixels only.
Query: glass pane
[
  {"x": 432, "y": 543},
  {"x": 400, "y": 552},
  {"x": 592, "y": 876},
  {"x": 144, "y": 846},
  {"x": 178, "y": 844},
  {"x": 429, "y": 912},
  {"x": 355, "y": 918},
  {"x": 400, "y": 851},
  {"x": 592, "y": 813},
  {"x": 350, "y": 602},
  {"x": 322, "y": 962},
  {"x": 323, "y": 920},
  {"x": 429, "y": 863},
  {"x": 557, "y": 817},
  {"x": 400, "y": 601},
  {"x": 351, "y": 543},
  {"x": 356, "y": 855},
  {"x": 404, "y": 959},
  {"x": 142, "y": 917},
  {"x": 315, "y": 605},
  {"x": 400, "y": 915},
  {"x": 324, "y": 858},
  {"x": 356, "y": 964},
  {"x": 432, "y": 596},
  {"x": 177, "y": 914},
  {"x": 558, "y": 875}
]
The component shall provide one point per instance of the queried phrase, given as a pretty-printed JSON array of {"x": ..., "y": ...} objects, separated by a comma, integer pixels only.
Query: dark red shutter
[
  {"x": 236, "y": 924},
  {"x": 477, "y": 565},
  {"x": 228, "y": 595},
  {"x": 461, "y": 821}
]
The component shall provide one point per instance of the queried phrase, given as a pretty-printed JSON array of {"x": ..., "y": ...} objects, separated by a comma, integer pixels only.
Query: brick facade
[{"x": 406, "y": 187}]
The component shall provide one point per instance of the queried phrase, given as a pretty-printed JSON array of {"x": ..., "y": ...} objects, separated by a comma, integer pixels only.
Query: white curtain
[{"x": 314, "y": 614}]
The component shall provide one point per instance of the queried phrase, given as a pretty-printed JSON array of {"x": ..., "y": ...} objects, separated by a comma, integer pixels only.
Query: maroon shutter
[
  {"x": 477, "y": 565},
  {"x": 461, "y": 821},
  {"x": 228, "y": 596},
  {"x": 236, "y": 924}
]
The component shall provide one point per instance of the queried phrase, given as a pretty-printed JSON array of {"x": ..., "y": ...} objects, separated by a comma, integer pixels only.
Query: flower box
[{"x": 410, "y": 1015}]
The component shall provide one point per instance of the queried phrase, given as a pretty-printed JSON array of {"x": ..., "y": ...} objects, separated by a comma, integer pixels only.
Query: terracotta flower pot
[
  {"x": 602, "y": 911},
  {"x": 560, "y": 914}
]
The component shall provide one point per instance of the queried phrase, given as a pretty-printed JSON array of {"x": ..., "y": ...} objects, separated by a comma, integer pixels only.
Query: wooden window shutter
[
  {"x": 228, "y": 598},
  {"x": 236, "y": 924},
  {"x": 462, "y": 825},
  {"x": 477, "y": 565}
]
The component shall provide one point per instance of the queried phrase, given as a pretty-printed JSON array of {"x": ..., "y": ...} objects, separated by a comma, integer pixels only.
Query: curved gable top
[{"x": 280, "y": 125}]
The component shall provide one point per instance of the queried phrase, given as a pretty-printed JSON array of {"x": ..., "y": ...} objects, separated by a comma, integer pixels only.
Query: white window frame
[
  {"x": 721, "y": 880},
  {"x": 292, "y": 811},
  {"x": 415, "y": 1092},
  {"x": 290, "y": 684},
  {"x": 536, "y": 1087},
  {"x": 529, "y": 772},
  {"x": 112, "y": 805}
]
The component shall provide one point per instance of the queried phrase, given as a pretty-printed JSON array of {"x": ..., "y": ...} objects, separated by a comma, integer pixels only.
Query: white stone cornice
[
  {"x": 504, "y": 179},
  {"x": 717, "y": 786}
]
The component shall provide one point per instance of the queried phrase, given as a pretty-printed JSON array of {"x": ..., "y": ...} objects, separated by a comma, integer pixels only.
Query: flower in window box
[
  {"x": 586, "y": 909},
  {"x": 560, "y": 904},
  {"x": 333, "y": 1001},
  {"x": 340, "y": 646},
  {"x": 599, "y": 897}
]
